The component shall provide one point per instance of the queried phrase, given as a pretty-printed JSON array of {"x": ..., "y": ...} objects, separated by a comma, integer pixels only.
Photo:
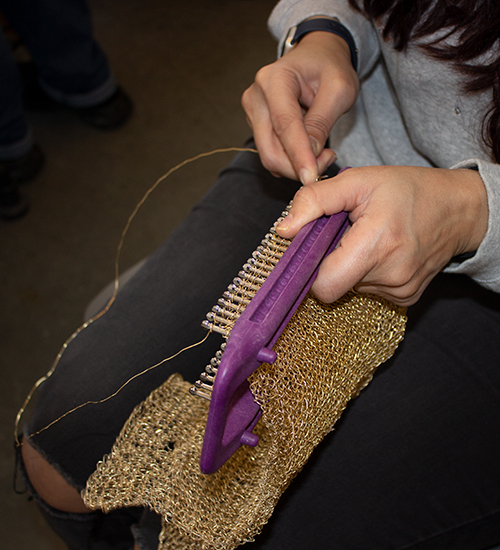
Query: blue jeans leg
[
  {"x": 15, "y": 137},
  {"x": 71, "y": 65}
]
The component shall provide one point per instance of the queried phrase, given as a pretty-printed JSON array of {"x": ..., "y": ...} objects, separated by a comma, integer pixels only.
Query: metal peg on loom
[{"x": 237, "y": 296}]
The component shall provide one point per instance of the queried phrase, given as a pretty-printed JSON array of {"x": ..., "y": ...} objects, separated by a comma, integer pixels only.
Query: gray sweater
[{"x": 411, "y": 111}]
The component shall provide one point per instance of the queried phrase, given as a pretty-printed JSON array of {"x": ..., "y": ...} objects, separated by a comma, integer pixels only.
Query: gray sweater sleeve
[
  {"x": 484, "y": 267},
  {"x": 289, "y": 13}
]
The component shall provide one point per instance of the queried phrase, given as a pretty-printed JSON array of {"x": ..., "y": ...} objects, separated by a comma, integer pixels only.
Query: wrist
[
  {"x": 475, "y": 202},
  {"x": 332, "y": 45},
  {"x": 321, "y": 25}
]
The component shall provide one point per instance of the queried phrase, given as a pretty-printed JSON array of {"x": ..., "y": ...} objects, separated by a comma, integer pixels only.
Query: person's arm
[
  {"x": 407, "y": 224},
  {"x": 484, "y": 265},
  {"x": 290, "y": 13}
]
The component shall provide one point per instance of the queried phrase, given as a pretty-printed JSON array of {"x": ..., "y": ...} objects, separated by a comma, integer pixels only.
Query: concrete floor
[{"x": 185, "y": 64}]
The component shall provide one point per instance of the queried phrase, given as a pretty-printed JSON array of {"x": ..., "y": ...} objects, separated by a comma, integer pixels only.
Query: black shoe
[
  {"x": 13, "y": 204},
  {"x": 110, "y": 114},
  {"x": 25, "y": 168}
]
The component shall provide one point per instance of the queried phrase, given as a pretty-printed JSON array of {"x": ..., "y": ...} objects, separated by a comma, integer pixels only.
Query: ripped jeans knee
[{"x": 116, "y": 530}]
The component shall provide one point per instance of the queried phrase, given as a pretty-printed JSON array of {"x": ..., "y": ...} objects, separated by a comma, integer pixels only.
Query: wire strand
[{"x": 44, "y": 378}]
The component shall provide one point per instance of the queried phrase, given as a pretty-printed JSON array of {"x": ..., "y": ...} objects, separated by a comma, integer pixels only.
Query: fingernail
[
  {"x": 316, "y": 147},
  {"x": 306, "y": 176},
  {"x": 333, "y": 158},
  {"x": 285, "y": 224}
]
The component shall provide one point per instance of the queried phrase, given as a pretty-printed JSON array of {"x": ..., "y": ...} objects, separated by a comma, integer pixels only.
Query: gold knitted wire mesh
[{"x": 325, "y": 356}]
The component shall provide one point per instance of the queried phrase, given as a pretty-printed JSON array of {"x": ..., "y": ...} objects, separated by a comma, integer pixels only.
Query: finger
[
  {"x": 306, "y": 208},
  {"x": 320, "y": 198},
  {"x": 303, "y": 137},
  {"x": 287, "y": 119},
  {"x": 325, "y": 159},
  {"x": 341, "y": 271},
  {"x": 291, "y": 133},
  {"x": 271, "y": 152},
  {"x": 322, "y": 114},
  {"x": 402, "y": 295}
]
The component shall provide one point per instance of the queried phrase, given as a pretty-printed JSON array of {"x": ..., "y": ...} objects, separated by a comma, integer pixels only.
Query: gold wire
[
  {"x": 111, "y": 300},
  {"x": 120, "y": 388}
]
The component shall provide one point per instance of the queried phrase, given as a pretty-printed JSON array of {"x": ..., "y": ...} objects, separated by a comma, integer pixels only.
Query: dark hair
[{"x": 475, "y": 24}]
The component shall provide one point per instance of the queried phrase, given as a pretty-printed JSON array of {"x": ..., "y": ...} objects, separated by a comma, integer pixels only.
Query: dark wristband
[
  {"x": 326, "y": 25},
  {"x": 462, "y": 257}
]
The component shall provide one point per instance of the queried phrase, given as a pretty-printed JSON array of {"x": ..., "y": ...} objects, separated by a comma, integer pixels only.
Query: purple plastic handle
[{"x": 233, "y": 412}]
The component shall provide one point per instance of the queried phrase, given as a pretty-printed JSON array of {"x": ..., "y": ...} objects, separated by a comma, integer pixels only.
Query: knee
[{"x": 49, "y": 484}]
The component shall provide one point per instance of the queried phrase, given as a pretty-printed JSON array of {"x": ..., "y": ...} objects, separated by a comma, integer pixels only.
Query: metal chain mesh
[{"x": 326, "y": 355}]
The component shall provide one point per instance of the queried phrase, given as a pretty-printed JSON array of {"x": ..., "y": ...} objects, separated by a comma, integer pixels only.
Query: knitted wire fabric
[{"x": 325, "y": 356}]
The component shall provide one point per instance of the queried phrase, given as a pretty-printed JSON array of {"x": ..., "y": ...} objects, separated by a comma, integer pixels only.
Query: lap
[{"x": 413, "y": 463}]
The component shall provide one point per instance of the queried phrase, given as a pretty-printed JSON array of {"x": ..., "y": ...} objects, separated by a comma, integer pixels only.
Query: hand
[
  {"x": 294, "y": 103},
  {"x": 407, "y": 223}
]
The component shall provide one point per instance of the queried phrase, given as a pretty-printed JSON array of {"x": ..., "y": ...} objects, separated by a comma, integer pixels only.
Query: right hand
[
  {"x": 294, "y": 103},
  {"x": 407, "y": 224}
]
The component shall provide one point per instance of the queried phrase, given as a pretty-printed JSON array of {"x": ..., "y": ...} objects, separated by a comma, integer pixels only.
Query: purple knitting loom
[{"x": 233, "y": 412}]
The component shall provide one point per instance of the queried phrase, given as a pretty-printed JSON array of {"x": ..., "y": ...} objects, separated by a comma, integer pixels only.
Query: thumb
[
  {"x": 306, "y": 208},
  {"x": 319, "y": 120},
  {"x": 318, "y": 129},
  {"x": 325, "y": 197}
]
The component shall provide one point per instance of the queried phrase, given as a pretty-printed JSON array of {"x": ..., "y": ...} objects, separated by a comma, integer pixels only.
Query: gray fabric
[{"x": 411, "y": 111}]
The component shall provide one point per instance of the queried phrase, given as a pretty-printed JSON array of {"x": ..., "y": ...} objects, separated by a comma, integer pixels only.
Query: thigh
[
  {"x": 413, "y": 463},
  {"x": 156, "y": 314}
]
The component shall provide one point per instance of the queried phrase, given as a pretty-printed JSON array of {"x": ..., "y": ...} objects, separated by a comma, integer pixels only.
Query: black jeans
[{"x": 414, "y": 461}]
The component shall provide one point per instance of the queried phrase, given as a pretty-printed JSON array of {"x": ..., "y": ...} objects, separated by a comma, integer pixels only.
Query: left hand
[
  {"x": 407, "y": 223},
  {"x": 294, "y": 103}
]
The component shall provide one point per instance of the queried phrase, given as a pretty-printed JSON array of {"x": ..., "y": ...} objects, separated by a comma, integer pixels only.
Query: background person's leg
[
  {"x": 71, "y": 65},
  {"x": 15, "y": 138}
]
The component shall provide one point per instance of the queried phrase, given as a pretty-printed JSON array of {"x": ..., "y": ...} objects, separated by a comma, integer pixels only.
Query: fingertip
[
  {"x": 326, "y": 159},
  {"x": 326, "y": 287},
  {"x": 307, "y": 176},
  {"x": 331, "y": 157},
  {"x": 326, "y": 295},
  {"x": 316, "y": 146},
  {"x": 283, "y": 228},
  {"x": 335, "y": 278}
]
